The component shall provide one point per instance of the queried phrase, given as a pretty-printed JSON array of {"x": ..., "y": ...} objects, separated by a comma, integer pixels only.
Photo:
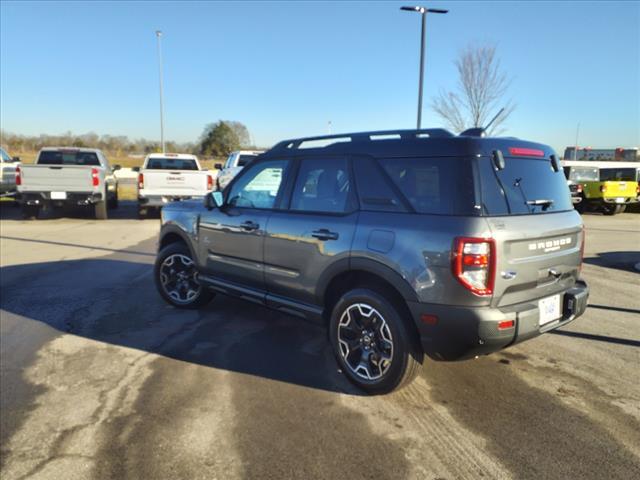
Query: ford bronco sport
[{"x": 404, "y": 243}]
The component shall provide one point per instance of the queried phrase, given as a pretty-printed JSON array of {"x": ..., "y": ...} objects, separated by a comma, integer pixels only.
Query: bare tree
[{"x": 481, "y": 92}]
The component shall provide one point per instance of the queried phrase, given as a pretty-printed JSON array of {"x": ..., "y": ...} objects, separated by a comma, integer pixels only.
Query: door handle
[
  {"x": 324, "y": 234},
  {"x": 249, "y": 226}
]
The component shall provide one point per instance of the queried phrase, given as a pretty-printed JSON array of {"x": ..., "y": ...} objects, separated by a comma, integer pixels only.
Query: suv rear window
[
  {"x": 524, "y": 186},
  {"x": 581, "y": 174},
  {"x": 244, "y": 160},
  {"x": 68, "y": 158},
  {"x": 171, "y": 164},
  {"x": 618, "y": 174},
  {"x": 434, "y": 185}
]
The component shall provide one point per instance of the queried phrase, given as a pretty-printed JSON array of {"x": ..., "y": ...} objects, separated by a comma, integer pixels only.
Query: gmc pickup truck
[
  {"x": 168, "y": 177},
  {"x": 67, "y": 176}
]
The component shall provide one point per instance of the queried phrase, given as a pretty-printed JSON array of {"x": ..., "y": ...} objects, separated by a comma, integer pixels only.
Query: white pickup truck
[
  {"x": 168, "y": 177},
  {"x": 67, "y": 176},
  {"x": 7, "y": 173},
  {"x": 235, "y": 162}
]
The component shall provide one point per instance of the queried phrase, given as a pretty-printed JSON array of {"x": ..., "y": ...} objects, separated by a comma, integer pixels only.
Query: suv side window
[
  {"x": 258, "y": 187},
  {"x": 323, "y": 185},
  {"x": 374, "y": 191}
]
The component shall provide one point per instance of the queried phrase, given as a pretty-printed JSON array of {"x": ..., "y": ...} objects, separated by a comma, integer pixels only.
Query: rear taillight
[
  {"x": 18, "y": 176},
  {"x": 209, "y": 182},
  {"x": 638, "y": 189},
  {"x": 579, "y": 188},
  {"x": 95, "y": 177},
  {"x": 474, "y": 262},
  {"x": 140, "y": 181},
  {"x": 603, "y": 188}
]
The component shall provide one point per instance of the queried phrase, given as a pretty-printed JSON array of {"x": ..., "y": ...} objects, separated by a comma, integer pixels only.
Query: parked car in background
[
  {"x": 575, "y": 176},
  {"x": 8, "y": 166},
  {"x": 169, "y": 177},
  {"x": 403, "y": 243},
  {"x": 235, "y": 162},
  {"x": 68, "y": 176}
]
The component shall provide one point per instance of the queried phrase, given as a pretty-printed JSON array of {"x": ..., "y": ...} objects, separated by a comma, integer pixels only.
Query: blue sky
[{"x": 285, "y": 69}]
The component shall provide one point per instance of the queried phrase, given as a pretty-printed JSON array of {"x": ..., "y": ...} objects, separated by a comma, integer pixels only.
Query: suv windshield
[
  {"x": 524, "y": 186},
  {"x": 618, "y": 174},
  {"x": 68, "y": 157},
  {"x": 171, "y": 164},
  {"x": 581, "y": 174}
]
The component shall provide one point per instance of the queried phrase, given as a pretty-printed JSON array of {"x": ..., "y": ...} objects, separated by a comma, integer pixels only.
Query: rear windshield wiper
[{"x": 541, "y": 202}]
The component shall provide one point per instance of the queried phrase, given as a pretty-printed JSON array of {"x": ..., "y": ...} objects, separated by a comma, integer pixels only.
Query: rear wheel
[
  {"x": 609, "y": 209},
  {"x": 374, "y": 347},
  {"x": 100, "y": 210},
  {"x": 175, "y": 277},
  {"x": 113, "y": 201},
  {"x": 30, "y": 212}
]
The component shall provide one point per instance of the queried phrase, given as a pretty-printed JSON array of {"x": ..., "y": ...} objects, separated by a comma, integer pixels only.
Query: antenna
[{"x": 494, "y": 118}]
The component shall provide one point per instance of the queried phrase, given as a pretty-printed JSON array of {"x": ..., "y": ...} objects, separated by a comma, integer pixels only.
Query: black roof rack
[{"x": 325, "y": 140}]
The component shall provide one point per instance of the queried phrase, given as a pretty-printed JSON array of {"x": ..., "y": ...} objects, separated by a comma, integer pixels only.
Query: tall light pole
[
  {"x": 159, "y": 36},
  {"x": 423, "y": 11},
  {"x": 575, "y": 153}
]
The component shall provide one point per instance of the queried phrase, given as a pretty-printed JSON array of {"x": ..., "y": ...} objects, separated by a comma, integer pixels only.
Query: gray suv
[{"x": 404, "y": 243}]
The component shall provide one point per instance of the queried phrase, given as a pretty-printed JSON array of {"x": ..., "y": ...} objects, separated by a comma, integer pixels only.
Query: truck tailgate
[
  {"x": 178, "y": 183},
  {"x": 52, "y": 178}
]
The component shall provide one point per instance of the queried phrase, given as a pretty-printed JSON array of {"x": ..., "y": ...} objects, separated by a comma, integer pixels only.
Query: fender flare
[
  {"x": 365, "y": 265},
  {"x": 172, "y": 229}
]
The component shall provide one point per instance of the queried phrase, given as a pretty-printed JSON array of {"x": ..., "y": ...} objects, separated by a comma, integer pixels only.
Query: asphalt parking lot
[{"x": 101, "y": 379}]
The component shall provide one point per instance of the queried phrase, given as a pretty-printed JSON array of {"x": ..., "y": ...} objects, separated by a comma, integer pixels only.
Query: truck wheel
[
  {"x": 373, "y": 346},
  {"x": 30, "y": 212},
  {"x": 100, "y": 210},
  {"x": 608, "y": 209},
  {"x": 175, "y": 277},
  {"x": 113, "y": 201}
]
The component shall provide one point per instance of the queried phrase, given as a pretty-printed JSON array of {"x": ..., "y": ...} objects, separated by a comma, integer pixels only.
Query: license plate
[
  {"x": 58, "y": 195},
  {"x": 619, "y": 200},
  {"x": 549, "y": 309}
]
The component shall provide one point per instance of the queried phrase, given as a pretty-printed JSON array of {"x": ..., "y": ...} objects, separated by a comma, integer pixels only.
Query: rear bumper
[
  {"x": 465, "y": 332},
  {"x": 160, "y": 200},
  {"x": 73, "y": 198},
  {"x": 575, "y": 199}
]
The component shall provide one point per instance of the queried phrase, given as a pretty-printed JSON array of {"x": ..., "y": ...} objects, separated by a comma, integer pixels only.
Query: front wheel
[
  {"x": 175, "y": 277},
  {"x": 373, "y": 345}
]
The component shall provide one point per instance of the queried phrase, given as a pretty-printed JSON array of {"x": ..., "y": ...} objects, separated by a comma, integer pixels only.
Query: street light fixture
[
  {"x": 422, "y": 11},
  {"x": 159, "y": 35}
]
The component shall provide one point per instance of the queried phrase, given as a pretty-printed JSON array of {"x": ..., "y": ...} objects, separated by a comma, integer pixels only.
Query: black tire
[
  {"x": 113, "y": 201},
  {"x": 581, "y": 207},
  {"x": 100, "y": 210},
  {"x": 172, "y": 293},
  {"x": 30, "y": 212},
  {"x": 609, "y": 209},
  {"x": 405, "y": 355}
]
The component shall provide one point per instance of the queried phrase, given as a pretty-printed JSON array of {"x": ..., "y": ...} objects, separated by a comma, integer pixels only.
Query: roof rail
[{"x": 297, "y": 143}]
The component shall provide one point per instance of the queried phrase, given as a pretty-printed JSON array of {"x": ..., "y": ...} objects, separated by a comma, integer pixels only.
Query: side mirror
[
  {"x": 116, "y": 167},
  {"x": 16, "y": 159},
  {"x": 135, "y": 169},
  {"x": 213, "y": 200},
  {"x": 217, "y": 166}
]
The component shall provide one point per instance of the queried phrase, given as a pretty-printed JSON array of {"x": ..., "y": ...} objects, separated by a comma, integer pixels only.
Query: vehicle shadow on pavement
[
  {"x": 78, "y": 297},
  {"x": 618, "y": 260},
  {"x": 11, "y": 210}
]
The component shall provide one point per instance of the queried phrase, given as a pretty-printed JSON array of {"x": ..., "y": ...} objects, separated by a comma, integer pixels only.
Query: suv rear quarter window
[{"x": 434, "y": 185}]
